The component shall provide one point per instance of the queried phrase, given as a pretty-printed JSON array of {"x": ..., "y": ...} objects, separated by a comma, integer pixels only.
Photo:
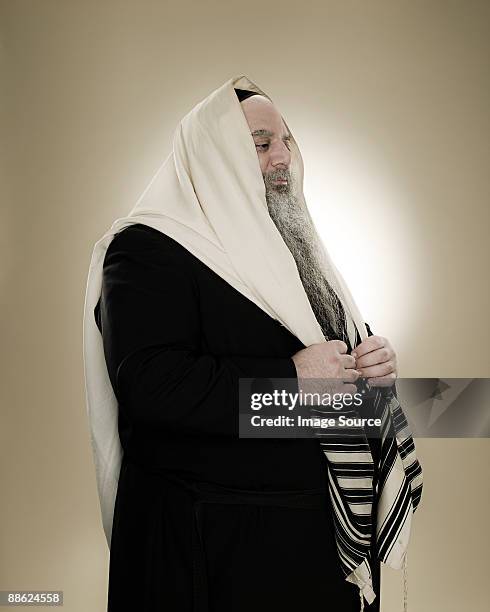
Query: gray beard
[{"x": 294, "y": 223}]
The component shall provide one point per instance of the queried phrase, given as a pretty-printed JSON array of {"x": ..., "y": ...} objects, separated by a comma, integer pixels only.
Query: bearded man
[{"x": 219, "y": 274}]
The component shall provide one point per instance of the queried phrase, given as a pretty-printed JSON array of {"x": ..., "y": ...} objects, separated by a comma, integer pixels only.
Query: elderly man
[{"x": 203, "y": 519}]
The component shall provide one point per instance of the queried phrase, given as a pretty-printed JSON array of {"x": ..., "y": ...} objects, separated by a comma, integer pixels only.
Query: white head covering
[{"x": 208, "y": 195}]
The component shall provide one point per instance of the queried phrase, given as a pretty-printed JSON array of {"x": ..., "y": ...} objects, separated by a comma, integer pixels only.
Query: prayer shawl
[{"x": 208, "y": 195}]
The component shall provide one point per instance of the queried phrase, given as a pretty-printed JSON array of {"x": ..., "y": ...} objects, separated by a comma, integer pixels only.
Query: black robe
[{"x": 177, "y": 337}]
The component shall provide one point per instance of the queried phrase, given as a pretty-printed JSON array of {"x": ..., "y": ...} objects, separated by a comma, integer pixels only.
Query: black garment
[
  {"x": 177, "y": 338},
  {"x": 243, "y": 94}
]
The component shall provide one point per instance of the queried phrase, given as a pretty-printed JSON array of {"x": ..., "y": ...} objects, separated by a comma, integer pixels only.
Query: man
[{"x": 199, "y": 286}]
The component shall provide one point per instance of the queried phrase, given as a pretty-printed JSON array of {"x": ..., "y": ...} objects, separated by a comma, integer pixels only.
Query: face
[{"x": 272, "y": 142}]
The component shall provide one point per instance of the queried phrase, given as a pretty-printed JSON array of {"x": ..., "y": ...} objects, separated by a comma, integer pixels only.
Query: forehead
[{"x": 262, "y": 115}]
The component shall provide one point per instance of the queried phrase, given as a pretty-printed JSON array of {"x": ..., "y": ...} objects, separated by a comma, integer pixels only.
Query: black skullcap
[{"x": 243, "y": 94}]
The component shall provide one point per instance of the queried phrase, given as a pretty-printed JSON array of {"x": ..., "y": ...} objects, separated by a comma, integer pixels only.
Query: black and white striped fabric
[{"x": 353, "y": 487}]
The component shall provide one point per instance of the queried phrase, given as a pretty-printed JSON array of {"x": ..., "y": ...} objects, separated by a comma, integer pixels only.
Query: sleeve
[{"x": 150, "y": 323}]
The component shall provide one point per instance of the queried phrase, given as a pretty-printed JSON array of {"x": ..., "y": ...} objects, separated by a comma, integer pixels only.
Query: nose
[{"x": 280, "y": 156}]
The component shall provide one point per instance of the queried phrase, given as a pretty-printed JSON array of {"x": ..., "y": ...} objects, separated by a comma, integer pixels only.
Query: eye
[
  {"x": 287, "y": 142},
  {"x": 262, "y": 145}
]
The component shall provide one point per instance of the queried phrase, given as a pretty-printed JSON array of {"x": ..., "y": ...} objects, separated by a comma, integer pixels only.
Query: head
[{"x": 272, "y": 141}]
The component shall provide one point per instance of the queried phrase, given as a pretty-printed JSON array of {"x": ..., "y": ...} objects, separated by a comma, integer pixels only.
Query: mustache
[{"x": 275, "y": 175}]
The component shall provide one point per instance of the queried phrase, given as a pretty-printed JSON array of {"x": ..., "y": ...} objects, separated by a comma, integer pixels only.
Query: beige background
[{"x": 389, "y": 102}]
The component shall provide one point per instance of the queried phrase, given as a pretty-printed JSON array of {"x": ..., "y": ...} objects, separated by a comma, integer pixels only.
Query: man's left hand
[{"x": 376, "y": 361}]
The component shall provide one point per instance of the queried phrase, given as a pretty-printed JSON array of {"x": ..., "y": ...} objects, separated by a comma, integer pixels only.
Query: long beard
[{"x": 293, "y": 221}]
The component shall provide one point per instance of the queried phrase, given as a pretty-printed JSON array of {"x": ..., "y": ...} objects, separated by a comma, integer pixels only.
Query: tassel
[
  {"x": 362, "y": 601},
  {"x": 405, "y": 584}
]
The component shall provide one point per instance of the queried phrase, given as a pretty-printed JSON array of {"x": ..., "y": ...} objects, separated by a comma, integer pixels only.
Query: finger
[
  {"x": 381, "y": 369},
  {"x": 384, "y": 381},
  {"x": 348, "y": 361},
  {"x": 369, "y": 344},
  {"x": 380, "y": 355},
  {"x": 351, "y": 375},
  {"x": 341, "y": 346}
]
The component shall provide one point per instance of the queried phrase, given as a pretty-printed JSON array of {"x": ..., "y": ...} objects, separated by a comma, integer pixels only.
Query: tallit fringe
[
  {"x": 405, "y": 587},
  {"x": 405, "y": 583},
  {"x": 362, "y": 578},
  {"x": 362, "y": 601}
]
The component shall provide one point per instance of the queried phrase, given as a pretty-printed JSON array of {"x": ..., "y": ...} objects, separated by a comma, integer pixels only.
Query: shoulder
[
  {"x": 142, "y": 240},
  {"x": 138, "y": 236},
  {"x": 140, "y": 254}
]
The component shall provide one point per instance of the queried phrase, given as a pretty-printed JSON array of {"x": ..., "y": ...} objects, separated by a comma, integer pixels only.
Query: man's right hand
[{"x": 327, "y": 360}]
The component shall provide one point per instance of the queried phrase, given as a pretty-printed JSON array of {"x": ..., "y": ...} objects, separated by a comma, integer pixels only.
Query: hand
[
  {"x": 326, "y": 367},
  {"x": 376, "y": 360}
]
